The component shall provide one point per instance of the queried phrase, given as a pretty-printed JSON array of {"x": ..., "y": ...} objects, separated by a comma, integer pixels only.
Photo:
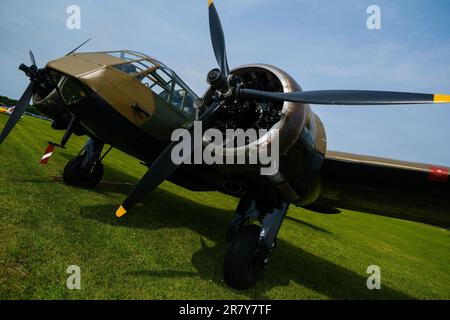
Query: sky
[{"x": 323, "y": 44}]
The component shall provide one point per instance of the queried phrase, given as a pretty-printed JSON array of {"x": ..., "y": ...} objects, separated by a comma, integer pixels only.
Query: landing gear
[
  {"x": 77, "y": 176},
  {"x": 86, "y": 169},
  {"x": 241, "y": 268},
  {"x": 251, "y": 244}
]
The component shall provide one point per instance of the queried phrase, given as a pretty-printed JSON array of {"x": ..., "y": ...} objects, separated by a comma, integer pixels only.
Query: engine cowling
[{"x": 301, "y": 136}]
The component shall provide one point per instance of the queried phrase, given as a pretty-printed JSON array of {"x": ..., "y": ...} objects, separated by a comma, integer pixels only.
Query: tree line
[{"x": 6, "y": 101}]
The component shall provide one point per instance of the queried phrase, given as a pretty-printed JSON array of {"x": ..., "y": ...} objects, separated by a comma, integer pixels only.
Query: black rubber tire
[
  {"x": 74, "y": 175},
  {"x": 240, "y": 271}
]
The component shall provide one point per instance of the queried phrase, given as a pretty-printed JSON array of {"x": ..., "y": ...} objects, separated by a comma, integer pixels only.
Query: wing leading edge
[{"x": 405, "y": 190}]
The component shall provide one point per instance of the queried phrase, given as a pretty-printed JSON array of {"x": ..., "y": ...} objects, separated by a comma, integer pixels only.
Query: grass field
[{"x": 172, "y": 246}]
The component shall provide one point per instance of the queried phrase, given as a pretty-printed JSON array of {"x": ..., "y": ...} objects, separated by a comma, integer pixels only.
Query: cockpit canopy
[{"x": 160, "y": 79}]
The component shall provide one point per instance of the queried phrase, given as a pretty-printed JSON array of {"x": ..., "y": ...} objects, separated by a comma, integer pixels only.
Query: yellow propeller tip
[
  {"x": 441, "y": 98},
  {"x": 120, "y": 212},
  {"x": 210, "y": 2}
]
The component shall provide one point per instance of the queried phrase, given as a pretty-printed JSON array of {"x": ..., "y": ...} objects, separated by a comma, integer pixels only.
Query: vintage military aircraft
[
  {"x": 7, "y": 110},
  {"x": 134, "y": 102}
]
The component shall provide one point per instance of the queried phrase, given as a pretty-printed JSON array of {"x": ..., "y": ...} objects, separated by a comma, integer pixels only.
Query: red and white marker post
[{"x": 48, "y": 153}]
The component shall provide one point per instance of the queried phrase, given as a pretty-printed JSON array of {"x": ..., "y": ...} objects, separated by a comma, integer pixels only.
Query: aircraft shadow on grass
[{"x": 163, "y": 209}]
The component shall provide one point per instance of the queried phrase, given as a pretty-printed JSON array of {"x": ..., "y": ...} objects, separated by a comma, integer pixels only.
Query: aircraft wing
[{"x": 405, "y": 190}]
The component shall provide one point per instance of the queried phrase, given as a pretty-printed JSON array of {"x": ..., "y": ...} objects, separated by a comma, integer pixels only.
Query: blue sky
[{"x": 323, "y": 44}]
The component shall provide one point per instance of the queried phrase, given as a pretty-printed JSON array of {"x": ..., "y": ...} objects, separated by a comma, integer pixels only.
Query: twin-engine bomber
[{"x": 134, "y": 103}]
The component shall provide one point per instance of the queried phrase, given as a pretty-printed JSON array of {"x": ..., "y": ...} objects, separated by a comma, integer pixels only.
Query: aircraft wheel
[
  {"x": 76, "y": 176},
  {"x": 241, "y": 270}
]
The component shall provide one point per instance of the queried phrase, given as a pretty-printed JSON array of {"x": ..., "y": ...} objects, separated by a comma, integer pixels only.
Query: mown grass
[{"x": 172, "y": 245}]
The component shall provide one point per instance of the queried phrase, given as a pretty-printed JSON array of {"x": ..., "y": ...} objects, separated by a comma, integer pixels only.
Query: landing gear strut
[
  {"x": 86, "y": 169},
  {"x": 251, "y": 244}
]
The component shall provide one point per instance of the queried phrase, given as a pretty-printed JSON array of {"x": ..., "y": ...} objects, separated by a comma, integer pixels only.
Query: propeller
[
  {"x": 230, "y": 88},
  {"x": 24, "y": 100},
  {"x": 36, "y": 79}
]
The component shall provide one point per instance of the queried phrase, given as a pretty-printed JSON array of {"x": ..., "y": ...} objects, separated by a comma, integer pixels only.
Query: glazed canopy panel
[{"x": 150, "y": 72}]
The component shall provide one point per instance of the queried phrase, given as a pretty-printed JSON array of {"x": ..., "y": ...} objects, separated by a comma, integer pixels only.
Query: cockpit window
[
  {"x": 158, "y": 78},
  {"x": 127, "y": 68}
]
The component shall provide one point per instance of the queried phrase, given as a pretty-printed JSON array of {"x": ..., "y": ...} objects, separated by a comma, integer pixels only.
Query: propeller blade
[
  {"x": 18, "y": 111},
  {"x": 163, "y": 167},
  {"x": 160, "y": 170},
  {"x": 347, "y": 97},
  {"x": 78, "y": 47},
  {"x": 218, "y": 38},
  {"x": 33, "y": 60}
]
